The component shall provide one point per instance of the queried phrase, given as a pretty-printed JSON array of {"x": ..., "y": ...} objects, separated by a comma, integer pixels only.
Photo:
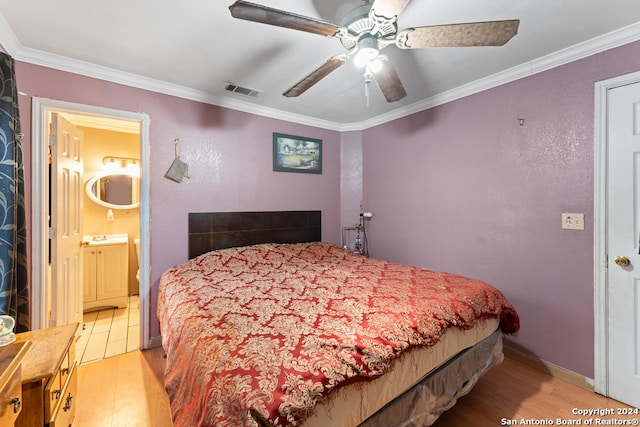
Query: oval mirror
[{"x": 115, "y": 190}]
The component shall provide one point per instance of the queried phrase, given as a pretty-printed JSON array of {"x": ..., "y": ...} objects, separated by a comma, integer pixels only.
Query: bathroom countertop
[{"x": 105, "y": 239}]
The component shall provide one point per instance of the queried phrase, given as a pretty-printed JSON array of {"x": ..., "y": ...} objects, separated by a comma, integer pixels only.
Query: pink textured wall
[
  {"x": 461, "y": 187},
  {"x": 351, "y": 178},
  {"x": 229, "y": 155},
  {"x": 464, "y": 188}
]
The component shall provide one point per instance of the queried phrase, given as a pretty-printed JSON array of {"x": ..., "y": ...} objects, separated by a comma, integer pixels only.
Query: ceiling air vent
[{"x": 232, "y": 87}]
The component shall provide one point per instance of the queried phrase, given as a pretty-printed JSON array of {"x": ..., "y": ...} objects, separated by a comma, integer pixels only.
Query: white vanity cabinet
[{"x": 105, "y": 275}]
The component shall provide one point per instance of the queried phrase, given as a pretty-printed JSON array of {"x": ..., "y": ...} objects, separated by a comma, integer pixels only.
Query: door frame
[
  {"x": 600, "y": 300},
  {"x": 41, "y": 111}
]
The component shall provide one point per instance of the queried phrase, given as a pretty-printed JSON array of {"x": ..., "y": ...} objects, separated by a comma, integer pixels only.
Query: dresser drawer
[
  {"x": 11, "y": 400},
  {"x": 67, "y": 364},
  {"x": 65, "y": 411},
  {"x": 52, "y": 394}
]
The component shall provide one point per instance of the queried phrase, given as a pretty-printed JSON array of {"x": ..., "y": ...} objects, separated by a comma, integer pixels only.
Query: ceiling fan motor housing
[{"x": 359, "y": 24}]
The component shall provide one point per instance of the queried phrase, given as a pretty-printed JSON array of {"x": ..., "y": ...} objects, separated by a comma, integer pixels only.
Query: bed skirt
[{"x": 438, "y": 391}]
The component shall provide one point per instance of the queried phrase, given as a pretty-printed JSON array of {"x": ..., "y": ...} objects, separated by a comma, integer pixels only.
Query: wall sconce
[{"x": 123, "y": 165}]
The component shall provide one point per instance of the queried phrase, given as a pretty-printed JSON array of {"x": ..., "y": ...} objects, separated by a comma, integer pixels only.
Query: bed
[{"x": 266, "y": 325}]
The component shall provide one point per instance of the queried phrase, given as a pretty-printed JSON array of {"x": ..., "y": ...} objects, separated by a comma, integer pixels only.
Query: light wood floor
[
  {"x": 513, "y": 391},
  {"x": 127, "y": 391}
]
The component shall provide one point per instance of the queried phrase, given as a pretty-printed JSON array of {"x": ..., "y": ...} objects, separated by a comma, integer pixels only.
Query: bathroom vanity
[{"x": 105, "y": 271}]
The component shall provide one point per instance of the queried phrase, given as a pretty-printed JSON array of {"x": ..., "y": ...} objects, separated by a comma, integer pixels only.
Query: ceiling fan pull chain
[
  {"x": 367, "y": 81},
  {"x": 366, "y": 92}
]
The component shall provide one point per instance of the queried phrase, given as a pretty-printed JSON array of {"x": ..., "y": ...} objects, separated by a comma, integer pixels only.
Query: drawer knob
[
  {"x": 67, "y": 404},
  {"x": 15, "y": 401}
]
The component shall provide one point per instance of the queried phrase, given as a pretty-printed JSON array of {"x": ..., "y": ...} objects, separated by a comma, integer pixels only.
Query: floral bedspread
[{"x": 257, "y": 335}]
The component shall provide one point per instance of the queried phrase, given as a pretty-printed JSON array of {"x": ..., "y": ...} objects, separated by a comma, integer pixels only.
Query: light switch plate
[{"x": 573, "y": 221}]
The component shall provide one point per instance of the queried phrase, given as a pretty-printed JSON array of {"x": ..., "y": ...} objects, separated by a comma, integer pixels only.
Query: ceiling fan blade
[
  {"x": 315, "y": 76},
  {"x": 389, "y": 82},
  {"x": 280, "y": 18},
  {"x": 493, "y": 33},
  {"x": 388, "y": 9}
]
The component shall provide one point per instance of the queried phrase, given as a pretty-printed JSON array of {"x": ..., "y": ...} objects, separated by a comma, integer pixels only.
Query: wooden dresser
[
  {"x": 11, "y": 401},
  {"x": 49, "y": 378}
]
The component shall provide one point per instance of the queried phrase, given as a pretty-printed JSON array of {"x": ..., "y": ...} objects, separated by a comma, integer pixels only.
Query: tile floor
[{"x": 108, "y": 333}]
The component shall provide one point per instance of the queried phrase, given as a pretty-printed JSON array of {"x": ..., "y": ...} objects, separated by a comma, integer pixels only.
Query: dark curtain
[{"x": 14, "y": 285}]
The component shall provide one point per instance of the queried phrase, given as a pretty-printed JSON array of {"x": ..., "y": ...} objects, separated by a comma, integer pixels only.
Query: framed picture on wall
[{"x": 296, "y": 154}]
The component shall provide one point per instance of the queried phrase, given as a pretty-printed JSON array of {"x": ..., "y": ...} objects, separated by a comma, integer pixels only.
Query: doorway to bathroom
[
  {"x": 110, "y": 223},
  {"x": 107, "y": 139}
]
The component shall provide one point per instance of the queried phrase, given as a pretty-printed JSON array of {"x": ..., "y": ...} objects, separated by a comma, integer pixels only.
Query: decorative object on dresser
[
  {"x": 49, "y": 379},
  {"x": 11, "y": 356}
]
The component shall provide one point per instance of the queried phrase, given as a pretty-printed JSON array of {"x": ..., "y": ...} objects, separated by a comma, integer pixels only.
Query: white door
[
  {"x": 66, "y": 222},
  {"x": 623, "y": 244}
]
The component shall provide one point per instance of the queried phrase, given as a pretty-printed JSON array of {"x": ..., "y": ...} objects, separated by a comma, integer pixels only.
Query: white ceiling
[{"x": 191, "y": 49}]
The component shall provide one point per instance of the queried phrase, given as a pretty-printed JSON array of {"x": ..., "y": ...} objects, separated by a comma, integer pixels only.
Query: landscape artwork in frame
[{"x": 296, "y": 154}]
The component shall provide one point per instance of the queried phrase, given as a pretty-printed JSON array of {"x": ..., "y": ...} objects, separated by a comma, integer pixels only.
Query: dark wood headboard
[{"x": 209, "y": 231}]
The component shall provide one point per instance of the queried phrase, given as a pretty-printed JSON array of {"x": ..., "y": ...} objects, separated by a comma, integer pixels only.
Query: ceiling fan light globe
[
  {"x": 364, "y": 56},
  {"x": 367, "y": 50},
  {"x": 375, "y": 64}
]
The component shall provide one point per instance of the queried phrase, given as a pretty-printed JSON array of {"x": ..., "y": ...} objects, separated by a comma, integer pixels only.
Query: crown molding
[
  {"x": 8, "y": 41},
  {"x": 10, "y": 44}
]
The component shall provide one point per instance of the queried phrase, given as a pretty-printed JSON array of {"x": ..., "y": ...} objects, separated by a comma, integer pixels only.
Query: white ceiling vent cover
[{"x": 232, "y": 87}]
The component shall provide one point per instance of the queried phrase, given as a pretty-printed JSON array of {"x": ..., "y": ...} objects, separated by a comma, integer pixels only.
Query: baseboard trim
[
  {"x": 550, "y": 369},
  {"x": 155, "y": 341}
]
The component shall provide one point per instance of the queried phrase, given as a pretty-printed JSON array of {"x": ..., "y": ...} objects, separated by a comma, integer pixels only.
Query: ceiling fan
[{"x": 368, "y": 29}]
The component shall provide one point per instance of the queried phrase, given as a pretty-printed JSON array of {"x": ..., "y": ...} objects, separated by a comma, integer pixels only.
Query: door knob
[{"x": 622, "y": 261}]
